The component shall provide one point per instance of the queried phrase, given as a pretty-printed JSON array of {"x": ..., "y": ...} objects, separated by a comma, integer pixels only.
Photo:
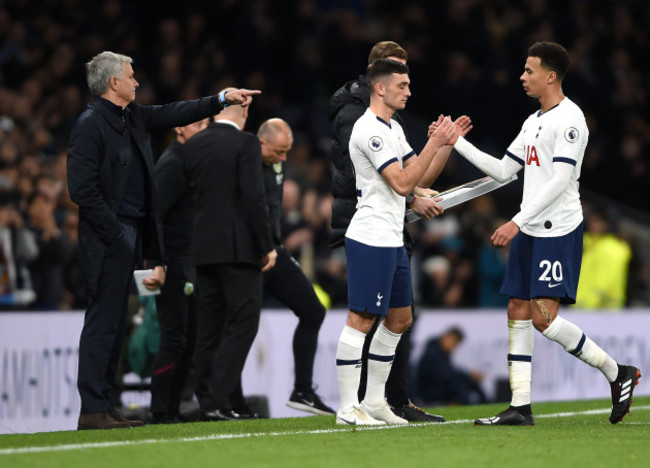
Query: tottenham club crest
[
  {"x": 376, "y": 143},
  {"x": 571, "y": 134}
]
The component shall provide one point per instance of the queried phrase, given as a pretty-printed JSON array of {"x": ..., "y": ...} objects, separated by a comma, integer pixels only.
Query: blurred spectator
[
  {"x": 605, "y": 264},
  {"x": 448, "y": 276},
  {"x": 75, "y": 296},
  {"x": 479, "y": 220},
  {"x": 436, "y": 281},
  {"x": 48, "y": 269},
  {"x": 439, "y": 381},
  {"x": 295, "y": 230},
  {"x": 17, "y": 248},
  {"x": 491, "y": 267}
]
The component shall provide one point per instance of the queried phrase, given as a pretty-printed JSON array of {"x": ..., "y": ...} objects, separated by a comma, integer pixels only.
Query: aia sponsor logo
[{"x": 531, "y": 156}]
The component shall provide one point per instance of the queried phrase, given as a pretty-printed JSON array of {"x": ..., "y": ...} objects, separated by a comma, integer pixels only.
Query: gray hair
[{"x": 102, "y": 67}]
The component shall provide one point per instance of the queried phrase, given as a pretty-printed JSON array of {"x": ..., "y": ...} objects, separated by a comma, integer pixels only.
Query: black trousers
[
  {"x": 177, "y": 319},
  {"x": 229, "y": 304},
  {"x": 104, "y": 326},
  {"x": 289, "y": 285}
]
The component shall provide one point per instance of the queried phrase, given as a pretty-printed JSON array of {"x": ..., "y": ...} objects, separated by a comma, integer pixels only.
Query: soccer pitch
[{"x": 570, "y": 433}]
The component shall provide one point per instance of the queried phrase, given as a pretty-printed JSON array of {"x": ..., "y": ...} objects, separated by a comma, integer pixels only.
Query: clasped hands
[{"x": 446, "y": 131}]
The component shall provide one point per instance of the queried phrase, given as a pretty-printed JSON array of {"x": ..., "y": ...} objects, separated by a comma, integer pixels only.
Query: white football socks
[
  {"x": 574, "y": 341},
  {"x": 380, "y": 359},
  {"x": 348, "y": 366},
  {"x": 520, "y": 353}
]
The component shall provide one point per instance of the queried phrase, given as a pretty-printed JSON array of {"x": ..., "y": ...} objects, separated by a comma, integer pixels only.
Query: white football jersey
[
  {"x": 374, "y": 145},
  {"x": 558, "y": 135}
]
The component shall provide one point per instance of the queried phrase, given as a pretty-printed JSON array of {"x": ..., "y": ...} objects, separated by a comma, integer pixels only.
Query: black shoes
[
  {"x": 164, "y": 418},
  {"x": 222, "y": 415},
  {"x": 310, "y": 402},
  {"x": 509, "y": 417},
  {"x": 161, "y": 418},
  {"x": 414, "y": 413},
  {"x": 244, "y": 411},
  {"x": 622, "y": 389}
]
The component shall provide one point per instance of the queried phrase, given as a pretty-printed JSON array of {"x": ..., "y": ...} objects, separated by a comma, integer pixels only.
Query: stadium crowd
[{"x": 465, "y": 58}]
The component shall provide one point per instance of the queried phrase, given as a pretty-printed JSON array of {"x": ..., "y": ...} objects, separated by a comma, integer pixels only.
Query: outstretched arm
[{"x": 499, "y": 169}]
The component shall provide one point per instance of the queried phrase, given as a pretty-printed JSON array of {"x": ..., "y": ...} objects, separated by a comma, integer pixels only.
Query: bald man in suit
[{"x": 231, "y": 247}]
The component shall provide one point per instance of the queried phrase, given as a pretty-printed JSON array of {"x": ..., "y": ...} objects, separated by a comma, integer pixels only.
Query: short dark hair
[
  {"x": 456, "y": 331},
  {"x": 553, "y": 57},
  {"x": 383, "y": 68},
  {"x": 385, "y": 49}
]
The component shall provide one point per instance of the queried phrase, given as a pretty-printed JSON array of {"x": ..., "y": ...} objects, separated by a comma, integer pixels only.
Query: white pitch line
[{"x": 70, "y": 447}]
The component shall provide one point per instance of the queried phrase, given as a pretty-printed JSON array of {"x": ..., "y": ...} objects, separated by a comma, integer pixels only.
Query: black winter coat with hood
[{"x": 346, "y": 106}]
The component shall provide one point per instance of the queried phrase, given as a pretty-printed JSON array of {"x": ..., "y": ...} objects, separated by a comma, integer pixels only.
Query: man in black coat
[
  {"x": 346, "y": 106},
  {"x": 176, "y": 304},
  {"x": 110, "y": 178},
  {"x": 231, "y": 247},
  {"x": 440, "y": 381}
]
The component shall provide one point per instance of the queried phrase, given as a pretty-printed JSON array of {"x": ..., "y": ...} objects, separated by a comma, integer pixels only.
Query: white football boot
[
  {"x": 382, "y": 413},
  {"x": 357, "y": 417}
]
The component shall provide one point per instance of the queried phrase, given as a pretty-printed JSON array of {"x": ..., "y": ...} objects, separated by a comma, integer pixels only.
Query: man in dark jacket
[
  {"x": 346, "y": 106},
  {"x": 440, "y": 381},
  {"x": 287, "y": 282},
  {"x": 110, "y": 177},
  {"x": 176, "y": 303}
]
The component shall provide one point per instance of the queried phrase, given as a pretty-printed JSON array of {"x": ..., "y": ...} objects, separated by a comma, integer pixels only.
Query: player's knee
[
  {"x": 399, "y": 322},
  {"x": 519, "y": 309},
  {"x": 540, "y": 323},
  {"x": 361, "y": 321},
  {"x": 408, "y": 321},
  {"x": 544, "y": 312}
]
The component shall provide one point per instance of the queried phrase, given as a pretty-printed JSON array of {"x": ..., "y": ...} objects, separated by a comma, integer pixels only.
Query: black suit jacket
[
  {"x": 99, "y": 155},
  {"x": 223, "y": 166}
]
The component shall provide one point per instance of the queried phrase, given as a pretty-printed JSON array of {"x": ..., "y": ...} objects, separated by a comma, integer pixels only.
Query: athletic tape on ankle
[{"x": 521, "y": 339}]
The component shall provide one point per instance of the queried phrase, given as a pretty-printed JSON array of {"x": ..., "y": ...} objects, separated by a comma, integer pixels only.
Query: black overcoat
[{"x": 99, "y": 155}]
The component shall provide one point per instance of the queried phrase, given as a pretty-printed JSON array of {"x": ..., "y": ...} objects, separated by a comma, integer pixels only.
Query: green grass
[{"x": 557, "y": 440}]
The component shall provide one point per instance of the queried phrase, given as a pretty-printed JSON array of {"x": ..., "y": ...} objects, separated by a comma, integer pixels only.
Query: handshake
[{"x": 444, "y": 131}]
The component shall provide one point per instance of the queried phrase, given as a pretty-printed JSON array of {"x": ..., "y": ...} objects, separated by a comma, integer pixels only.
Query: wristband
[
  {"x": 409, "y": 199},
  {"x": 222, "y": 99}
]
